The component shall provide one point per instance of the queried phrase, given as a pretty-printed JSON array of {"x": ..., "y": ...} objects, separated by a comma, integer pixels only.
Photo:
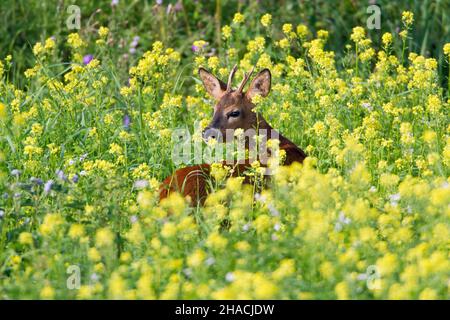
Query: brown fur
[{"x": 193, "y": 181}]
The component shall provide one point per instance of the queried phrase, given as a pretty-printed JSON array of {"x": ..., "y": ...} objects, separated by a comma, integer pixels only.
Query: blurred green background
[{"x": 179, "y": 23}]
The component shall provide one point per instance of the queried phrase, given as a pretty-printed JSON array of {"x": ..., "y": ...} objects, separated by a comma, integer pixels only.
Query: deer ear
[
  {"x": 260, "y": 84},
  {"x": 213, "y": 86}
]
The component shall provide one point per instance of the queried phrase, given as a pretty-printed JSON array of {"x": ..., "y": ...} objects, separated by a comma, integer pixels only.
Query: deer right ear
[
  {"x": 213, "y": 86},
  {"x": 260, "y": 85}
]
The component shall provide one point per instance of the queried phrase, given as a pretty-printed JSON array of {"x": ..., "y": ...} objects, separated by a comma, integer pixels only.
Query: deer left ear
[
  {"x": 260, "y": 84},
  {"x": 213, "y": 86}
]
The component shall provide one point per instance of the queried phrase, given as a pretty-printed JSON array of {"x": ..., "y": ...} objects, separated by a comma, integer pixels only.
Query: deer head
[{"x": 234, "y": 108}]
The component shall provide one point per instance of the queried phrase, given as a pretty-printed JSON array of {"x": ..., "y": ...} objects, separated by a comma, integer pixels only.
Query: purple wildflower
[
  {"x": 178, "y": 6},
  {"x": 60, "y": 174},
  {"x": 75, "y": 178},
  {"x": 169, "y": 8},
  {"x": 83, "y": 157},
  {"x": 343, "y": 219},
  {"x": 273, "y": 210},
  {"x": 210, "y": 261},
  {"x": 135, "y": 42},
  {"x": 114, "y": 3},
  {"x": 126, "y": 121},
  {"x": 48, "y": 186},
  {"x": 229, "y": 277},
  {"x": 87, "y": 58},
  {"x": 394, "y": 198},
  {"x": 37, "y": 181},
  {"x": 15, "y": 172},
  {"x": 195, "y": 48},
  {"x": 95, "y": 277},
  {"x": 140, "y": 184},
  {"x": 367, "y": 106},
  {"x": 188, "y": 272}
]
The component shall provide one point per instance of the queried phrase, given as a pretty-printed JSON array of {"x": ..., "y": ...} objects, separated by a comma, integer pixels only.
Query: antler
[
  {"x": 247, "y": 76},
  {"x": 230, "y": 78}
]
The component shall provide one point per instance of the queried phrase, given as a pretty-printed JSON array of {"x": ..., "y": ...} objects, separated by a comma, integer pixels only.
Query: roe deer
[{"x": 233, "y": 110}]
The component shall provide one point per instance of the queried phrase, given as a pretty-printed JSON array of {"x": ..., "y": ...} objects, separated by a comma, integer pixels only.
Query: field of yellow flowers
[{"x": 83, "y": 151}]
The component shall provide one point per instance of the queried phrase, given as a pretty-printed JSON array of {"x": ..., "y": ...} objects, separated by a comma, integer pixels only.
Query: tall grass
[{"x": 25, "y": 22}]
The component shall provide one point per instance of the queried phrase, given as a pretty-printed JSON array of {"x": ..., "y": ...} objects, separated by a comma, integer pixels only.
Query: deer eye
[{"x": 233, "y": 114}]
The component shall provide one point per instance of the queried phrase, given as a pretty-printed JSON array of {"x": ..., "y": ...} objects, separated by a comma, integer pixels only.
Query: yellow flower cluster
[
  {"x": 74, "y": 40},
  {"x": 238, "y": 18},
  {"x": 407, "y": 18},
  {"x": 266, "y": 20}
]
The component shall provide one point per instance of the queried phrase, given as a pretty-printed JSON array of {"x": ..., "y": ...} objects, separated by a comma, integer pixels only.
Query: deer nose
[{"x": 211, "y": 133}]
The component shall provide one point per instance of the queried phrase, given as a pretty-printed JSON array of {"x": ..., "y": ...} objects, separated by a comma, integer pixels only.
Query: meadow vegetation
[{"x": 85, "y": 140}]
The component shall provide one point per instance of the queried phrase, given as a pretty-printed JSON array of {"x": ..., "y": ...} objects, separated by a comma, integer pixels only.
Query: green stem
[
  {"x": 217, "y": 19},
  {"x": 186, "y": 20},
  {"x": 403, "y": 51},
  {"x": 448, "y": 80}
]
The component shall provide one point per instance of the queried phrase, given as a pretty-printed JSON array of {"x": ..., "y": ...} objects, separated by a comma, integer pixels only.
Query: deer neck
[
  {"x": 271, "y": 132},
  {"x": 293, "y": 153}
]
